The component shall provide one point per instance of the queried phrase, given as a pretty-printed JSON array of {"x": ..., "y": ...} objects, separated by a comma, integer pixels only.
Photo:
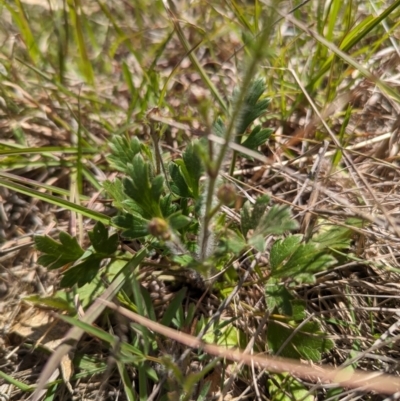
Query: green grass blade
[
  {"x": 49, "y": 188},
  {"x": 25, "y": 30},
  {"x": 76, "y": 19},
  {"x": 56, "y": 201},
  {"x": 173, "y": 307},
  {"x": 94, "y": 311},
  {"x": 239, "y": 14},
  {"x": 354, "y": 37},
  {"x": 63, "y": 89},
  {"x": 332, "y": 15},
  {"x": 126, "y": 381},
  {"x": 383, "y": 86},
  {"x": 22, "y": 386},
  {"x": 189, "y": 49},
  {"x": 45, "y": 150},
  {"x": 143, "y": 396}
]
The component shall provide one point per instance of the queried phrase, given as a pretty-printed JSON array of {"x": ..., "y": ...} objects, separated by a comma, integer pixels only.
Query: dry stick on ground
[{"x": 363, "y": 381}]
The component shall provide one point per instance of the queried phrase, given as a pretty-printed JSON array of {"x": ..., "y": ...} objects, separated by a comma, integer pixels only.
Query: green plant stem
[
  {"x": 214, "y": 169},
  {"x": 233, "y": 163},
  {"x": 214, "y": 211}
]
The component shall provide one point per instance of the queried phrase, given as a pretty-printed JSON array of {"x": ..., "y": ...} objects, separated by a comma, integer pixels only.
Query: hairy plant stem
[{"x": 213, "y": 169}]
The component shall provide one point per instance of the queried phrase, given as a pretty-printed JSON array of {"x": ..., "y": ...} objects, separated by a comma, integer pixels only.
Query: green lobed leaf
[
  {"x": 157, "y": 187},
  {"x": 123, "y": 151},
  {"x": 303, "y": 262},
  {"x": 276, "y": 221},
  {"x": 234, "y": 241},
  {"x": 253, "y": 108},
  {"x": 257, "y": 137},
  {"x": 116, "y": 190},
  {"x": 283, "y": 249},
  {"x": 194, "y": 168},
  {"x": 178, "y": 221},
  {"x": 135, "y": 227},
  {"x": 251, "y": 216},
  {"x": 101, "y": 242},
  {"x": 277, "y": 297},
  {"x": 257, "y": 241},
  {"x": 120, "y": 200},
  {"x": 178, "y": 185},
  {"x": 308, "y": 342},
  {"x": 166, "y": 205},
  {"x": 130, "y": 206},
  {"x": 58, "y": 254},
  {"x": 144, "y": 192},
  {"x": 81, "y": 273}
]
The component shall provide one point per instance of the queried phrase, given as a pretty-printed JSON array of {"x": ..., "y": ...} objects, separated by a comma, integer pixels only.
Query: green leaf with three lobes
[
  {"x": 145, "y": 192},
  {"x": 306, "y": 342},
  {"x": 123, "y": 151},
  {"x": 251, "y": 216},
  {"x": 167, "y": 207},
  {"x": 253, "y": 107},
  {"x": 178, "y": 184},
  {"x": 193, "y": 167},
  {"x": 279, "y": 300},
  {"x": 58, "y": 254},
  {"x": 83, "y": 272},
  {"x": 135, "y": 226},
  {"x": 120, "y": 200},
  {"x": 276, "y": 221},
  {"x": 257, "y": 137},
  {"x": 102, "y": 243},
  {"x": 290, "y": 258},
  {"x": 67, "y": 251},
  {"x": 186, "y": 172}
]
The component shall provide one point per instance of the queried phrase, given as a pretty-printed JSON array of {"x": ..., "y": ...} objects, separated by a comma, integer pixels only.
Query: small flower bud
[
  {"x": 159, "y": 228},
  {"x": 226, "y": 194}
]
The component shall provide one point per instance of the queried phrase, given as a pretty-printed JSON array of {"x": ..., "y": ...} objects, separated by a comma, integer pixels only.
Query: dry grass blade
[
  {"x": 161, "y": 84},
  {"x": 374, "y": 381}
]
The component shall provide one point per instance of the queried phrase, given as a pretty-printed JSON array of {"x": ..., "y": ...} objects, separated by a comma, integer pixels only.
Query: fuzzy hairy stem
[{"x": 214, "y": 169}]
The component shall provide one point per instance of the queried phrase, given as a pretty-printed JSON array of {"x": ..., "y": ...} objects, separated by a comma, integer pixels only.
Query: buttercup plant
[
  {"x": 128, "y": 87},
  {"x": 173, "y": 212}
]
